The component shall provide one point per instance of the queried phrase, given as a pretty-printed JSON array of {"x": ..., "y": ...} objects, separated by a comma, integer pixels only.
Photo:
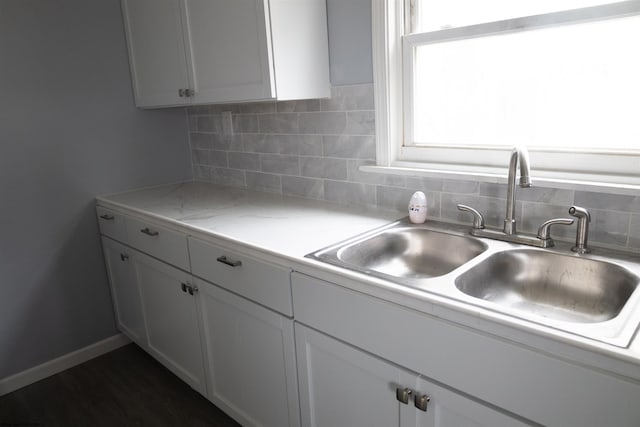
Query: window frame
[{"x": 393, "y": 89}]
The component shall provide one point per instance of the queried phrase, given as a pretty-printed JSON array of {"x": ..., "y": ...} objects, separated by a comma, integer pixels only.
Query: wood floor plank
[{"x": 125, "y": 387}]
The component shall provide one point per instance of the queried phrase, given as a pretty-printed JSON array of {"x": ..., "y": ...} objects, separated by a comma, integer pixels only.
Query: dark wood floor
[{"x": 123, "y": 388}]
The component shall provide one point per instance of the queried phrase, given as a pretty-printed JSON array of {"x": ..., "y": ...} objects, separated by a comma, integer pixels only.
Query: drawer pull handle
[
  {"x": 108, "y": 217},
  {"x": 148, "y": 232},
  {"x": 183, "y": 286},
  {"x": 124, "y": 257},
  {"x": 421, "y": 401},
  {"x": 403, "y": 394},
  {"x": 223, "y": 259}
]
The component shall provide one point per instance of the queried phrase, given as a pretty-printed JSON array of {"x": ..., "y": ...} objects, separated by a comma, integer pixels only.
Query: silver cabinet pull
[
  {"x": 223, "y": 259},
  {"x": 421, "y": 401},
  {"x": 108, "y": 217},
  {"x": 187, "y": 287},
  {"x": 402, "y": 395},
  {"x": 149, "y": 232},
  {"x": 189, "y": 93},
  {"x": 124, "y": 257},
  {"x": 182, "y": 93}
]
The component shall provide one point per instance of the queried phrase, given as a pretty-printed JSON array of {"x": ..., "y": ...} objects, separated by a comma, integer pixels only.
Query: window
[{"x": 458, "y": 83}]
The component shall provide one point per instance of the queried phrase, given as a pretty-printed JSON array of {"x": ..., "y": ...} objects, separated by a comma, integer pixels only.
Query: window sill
[{"x": 601, "y": 184}]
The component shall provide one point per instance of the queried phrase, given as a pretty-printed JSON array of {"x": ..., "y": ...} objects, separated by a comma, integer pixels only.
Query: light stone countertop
[
  {"x": 288, "y": 228},
  {"x": 281, "y": 225}
]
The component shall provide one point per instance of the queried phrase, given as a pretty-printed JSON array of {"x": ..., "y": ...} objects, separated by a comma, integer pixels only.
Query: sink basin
[
  {"x": 411, "y": 252},
  {"x": 404, "y": 251},
  {"x": 593, "y": 296},
  {"x": 558, "y": 287}
]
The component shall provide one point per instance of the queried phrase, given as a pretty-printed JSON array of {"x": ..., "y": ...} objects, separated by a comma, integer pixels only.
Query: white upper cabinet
[
  {"x": 157, "y": 53},
  {"x": 215, "y": 51}
]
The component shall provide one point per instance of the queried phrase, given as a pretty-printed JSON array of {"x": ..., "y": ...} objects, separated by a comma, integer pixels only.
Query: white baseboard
[{"x": 62, "y": 363}]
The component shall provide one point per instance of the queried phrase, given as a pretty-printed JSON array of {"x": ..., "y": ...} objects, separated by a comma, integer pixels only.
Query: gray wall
[
  {"x": 68, "y": 131},
  {"x": 350, "y": 57}
]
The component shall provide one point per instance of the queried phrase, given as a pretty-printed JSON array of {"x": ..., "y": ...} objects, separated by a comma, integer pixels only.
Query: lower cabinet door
[
  {"x": 250, "y": 362},
  {"x": 171, "y": 317},
  {"x": 343, "y": 386},
  {"x": 124, "y": 290}
]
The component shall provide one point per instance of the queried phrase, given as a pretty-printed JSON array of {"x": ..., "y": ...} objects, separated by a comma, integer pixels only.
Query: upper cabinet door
[
  {"x": 215, "y": 51},
  {"x": 229, "y": 50},
  {"x": 156, "y": 51}
]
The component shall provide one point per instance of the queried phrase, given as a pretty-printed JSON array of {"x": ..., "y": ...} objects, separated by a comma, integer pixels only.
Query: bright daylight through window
[{"x": 477, "y": 78}]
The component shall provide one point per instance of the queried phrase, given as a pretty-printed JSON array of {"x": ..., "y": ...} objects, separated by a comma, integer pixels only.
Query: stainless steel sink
[
  {"x": 590, "y": 295},
  {"x": 554, "y": 286},
  {"x": 404, "y": 251}
]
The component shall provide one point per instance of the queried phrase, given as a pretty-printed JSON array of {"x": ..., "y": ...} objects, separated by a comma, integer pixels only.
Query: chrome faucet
[{"x": 519, "y": 156}]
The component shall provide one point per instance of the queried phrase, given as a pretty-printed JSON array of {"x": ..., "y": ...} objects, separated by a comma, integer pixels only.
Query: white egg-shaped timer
[{"x": 418, "y": 208}]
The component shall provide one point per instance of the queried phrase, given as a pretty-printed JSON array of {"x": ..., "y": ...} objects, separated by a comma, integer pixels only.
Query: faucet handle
[
  {"x": 544, "y": 232},
  {"x": 478, "y": 219}
]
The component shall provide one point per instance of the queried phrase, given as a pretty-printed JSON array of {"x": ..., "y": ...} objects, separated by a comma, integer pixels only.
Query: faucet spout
[{"x": 520, "y": 156}]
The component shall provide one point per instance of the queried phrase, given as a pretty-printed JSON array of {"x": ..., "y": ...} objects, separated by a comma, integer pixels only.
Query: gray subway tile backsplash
[
  {"x": 634, "y": 231},
  {"x": 256, "y": 107},
  {"x": 361, "y": 123},
  {"x": 245, "y": 123},
  {"x": 612, "y": 202},
  {"x": 314, "y": 149},
  {"x": 278, "y": 164},
  {"x": 300, "y": 106},
  {"x": 349, "y": 147},
  {"x": 310, "y": 188},
  {"x": 323, "y": 167},
  {"x": 350, "y": 193},
  {"x": 460, "y": 186},
  {"x": 263, "y": 182},
  {"x": 286, "y": 123},
  {"x": 324, "y": 123},
  {"x": 609, "y": 227},
  {"x": 247, "y": 161},
  {"x": 219, "y": 159}
]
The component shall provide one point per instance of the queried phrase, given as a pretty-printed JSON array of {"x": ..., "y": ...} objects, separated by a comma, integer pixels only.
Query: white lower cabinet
[
  {"x": 124, "y": 290},
  {"x": 250, "y": 363},
  {"x": 222, "y": 322},
  {"x": 169, "y": 304},
  {"x": 341, "y": 385}
]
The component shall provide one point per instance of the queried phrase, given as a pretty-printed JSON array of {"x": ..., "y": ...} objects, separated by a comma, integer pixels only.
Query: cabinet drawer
[
  {"x": 158, "y": 242},
  {"x": 264, "y": 283},
  {"x": 111, "y": 224}
]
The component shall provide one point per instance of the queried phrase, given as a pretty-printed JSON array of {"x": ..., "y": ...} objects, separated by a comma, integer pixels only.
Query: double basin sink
[{"x": 592, "y": 295}]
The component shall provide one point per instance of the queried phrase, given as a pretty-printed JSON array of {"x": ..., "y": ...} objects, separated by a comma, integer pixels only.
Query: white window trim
[{"x": 391, "y": 98}]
